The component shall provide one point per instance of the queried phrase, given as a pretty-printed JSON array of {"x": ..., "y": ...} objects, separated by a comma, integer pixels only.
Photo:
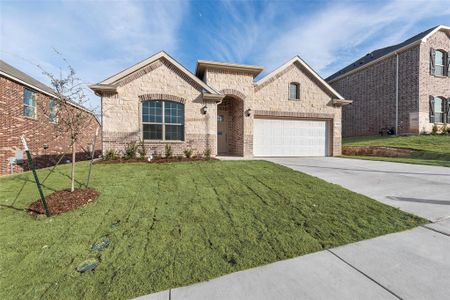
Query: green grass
[
  {"x": 434, "y": 149},
  {"x": 178, "y": 224}
]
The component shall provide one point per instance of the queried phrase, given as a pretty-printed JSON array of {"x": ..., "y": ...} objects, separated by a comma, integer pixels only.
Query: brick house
[
  {"x": 290, "y": 112},
  {"x": 405, "y": 87},
  {"x": 27, "y": 107}
]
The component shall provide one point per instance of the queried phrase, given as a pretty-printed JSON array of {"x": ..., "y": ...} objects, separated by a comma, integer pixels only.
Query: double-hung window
[
  {"x": 52, "y": 111},
  {"x": 163, "y": 120},
  {"x": 439, "y": 110},
  {"x": 29, "y": 103},
  {"x": 439, "y": 63}
]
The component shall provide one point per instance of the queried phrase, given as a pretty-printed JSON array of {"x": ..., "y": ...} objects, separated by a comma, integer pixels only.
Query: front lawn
[
  {"x": 175, "y": 224},
  {"x": 433, "y": 149}
]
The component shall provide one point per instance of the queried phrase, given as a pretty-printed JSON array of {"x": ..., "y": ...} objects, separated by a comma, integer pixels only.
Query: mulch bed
[
  {"x": 63, "y": 201},
  {"x": 378, "y": 151},
  {"x": 153, "y": 161}
]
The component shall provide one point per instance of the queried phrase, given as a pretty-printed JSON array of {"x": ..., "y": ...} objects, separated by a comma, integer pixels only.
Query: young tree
[{"x": 69, "y": 113}]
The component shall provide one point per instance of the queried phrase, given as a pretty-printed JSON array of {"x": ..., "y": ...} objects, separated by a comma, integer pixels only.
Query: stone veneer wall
[
  {"x": 431, "y": 85},
  {"x": 372, "y": 90},
  {"x": 271, "y": 99},
  {"x": 240, "y": 86},
  {"x": 122, "y": 111}
]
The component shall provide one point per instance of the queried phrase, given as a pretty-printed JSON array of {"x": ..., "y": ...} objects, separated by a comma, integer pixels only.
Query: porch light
[
  {"x": 205, "y": 110},
  {"x": 248, "y": 112}
]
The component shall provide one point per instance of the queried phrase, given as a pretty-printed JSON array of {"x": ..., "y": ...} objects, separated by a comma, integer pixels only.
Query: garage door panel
[{"x": 277, "y": 137}]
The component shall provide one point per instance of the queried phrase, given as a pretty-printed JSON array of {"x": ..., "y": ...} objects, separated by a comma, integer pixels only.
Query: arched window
[
  {"x": 439, "y": 62},
  {"x": 163, "y": 120},
  {"x": 294, "y": 91}
]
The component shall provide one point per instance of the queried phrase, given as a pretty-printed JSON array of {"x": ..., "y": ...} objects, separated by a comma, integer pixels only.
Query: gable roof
[
  {"x": 382, "y": 53},
  {"x": 15, "y": 74},
  {"x": 110, "y": 82},
  {"x": 300, "y": 61}
]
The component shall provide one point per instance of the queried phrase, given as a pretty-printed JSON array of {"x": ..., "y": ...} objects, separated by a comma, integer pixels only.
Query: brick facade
[
  {"x": 121, "y": 111},
  {"x": 430, "y": 85},
  {"x": 38, "y": 131},
  {"x": 373, "y": 91}
]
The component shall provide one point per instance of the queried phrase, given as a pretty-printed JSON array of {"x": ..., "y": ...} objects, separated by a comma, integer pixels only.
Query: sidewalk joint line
[
  {"x": 435, "y": 230},
  {"x": 364, "y": 274}
]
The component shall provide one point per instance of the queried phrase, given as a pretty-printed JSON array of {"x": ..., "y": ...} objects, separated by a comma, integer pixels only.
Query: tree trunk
[{"x": 72, "y": 188}]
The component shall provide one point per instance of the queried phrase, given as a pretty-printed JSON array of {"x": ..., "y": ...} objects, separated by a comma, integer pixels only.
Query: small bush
[
  {"x": 141, "y": 149},
  {"x": 445, "y": 129},
  {"x": 435, "y": 129},
  {"x": 188, "y": 153},
  {"x": 179, "y": 157},
  {"x": 168, "y": 153},
  {"x": 131, "y": 150},
  {"x": 208, "y": 153},
  {"x": 156, "y": 155},
  {"x": 110, "y": 154}
]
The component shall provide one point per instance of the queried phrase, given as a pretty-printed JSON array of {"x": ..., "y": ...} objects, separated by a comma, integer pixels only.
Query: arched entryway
[{"x": 230, "y": 126}]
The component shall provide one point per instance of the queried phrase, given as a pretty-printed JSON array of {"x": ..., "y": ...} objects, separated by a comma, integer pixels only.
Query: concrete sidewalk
[{"x": 413, "y": 264}]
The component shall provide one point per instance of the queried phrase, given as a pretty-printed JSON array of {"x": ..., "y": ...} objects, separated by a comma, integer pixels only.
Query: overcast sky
[{"x": 100, "y": 38}]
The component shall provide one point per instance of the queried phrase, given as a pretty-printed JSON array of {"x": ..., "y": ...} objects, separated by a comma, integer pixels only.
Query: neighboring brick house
[
  {"x": 289, "y": 112},
  {"x": 404, "y": 87},
  {"x": 28, "y": 107}
]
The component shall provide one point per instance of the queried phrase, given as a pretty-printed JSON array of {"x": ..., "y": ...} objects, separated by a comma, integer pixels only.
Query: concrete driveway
[{"x": 418, "y": 189}]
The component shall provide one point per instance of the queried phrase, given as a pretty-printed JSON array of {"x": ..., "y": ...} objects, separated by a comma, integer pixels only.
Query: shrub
[
  {"x": 168, "y": 151},
  {"x": 141, "y": 149},
  {"x": 179, "y": 157},
  {"x": 188, "y": 153},
  {"x": 445, "y": 129},
  {"x": 434, "y": 130},
  {"x": 130, "y": 150},
  {"x": 110, "y": 154},
  {"x": 208, "y": 153},
  {"x": 156, "y": 155}
]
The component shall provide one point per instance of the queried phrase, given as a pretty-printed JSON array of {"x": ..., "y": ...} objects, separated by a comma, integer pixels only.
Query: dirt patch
[
  {"x": 153, "y": 161},
  {"x": 62, "y": 201},
  {"x": 378, "y": 151}
]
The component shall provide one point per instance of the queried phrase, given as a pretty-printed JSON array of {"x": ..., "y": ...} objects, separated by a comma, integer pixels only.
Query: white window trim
[{"x": 163, "y": 123}]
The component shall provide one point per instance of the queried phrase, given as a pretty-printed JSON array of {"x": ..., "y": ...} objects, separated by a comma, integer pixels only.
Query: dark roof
[
  {"x": 16, "y": 73},
  {"x": 379, "y": 53}
]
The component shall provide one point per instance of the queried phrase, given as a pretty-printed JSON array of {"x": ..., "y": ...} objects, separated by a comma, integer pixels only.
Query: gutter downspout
[{"x": 396, "y": 94}]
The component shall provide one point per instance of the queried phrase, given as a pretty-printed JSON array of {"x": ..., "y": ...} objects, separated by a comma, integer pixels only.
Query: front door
[{"x": 222, "y": 136}]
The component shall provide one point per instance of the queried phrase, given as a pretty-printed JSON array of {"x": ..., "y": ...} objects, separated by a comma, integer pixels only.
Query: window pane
[
  {"x": 439, "y": 58},
  {"x": 175, "y": 132},
  {"x": 52, "y": 110},
  {"x": 173, "y": 112},
  {"x": 152, "y": 132},
  {"x": 293, "y": 91},
  {"x": 438, "y": 105},
  {"x": 152, "y": 111},
  {"x": 28, "y": 111},
  {"x": 28, "y": 97}
]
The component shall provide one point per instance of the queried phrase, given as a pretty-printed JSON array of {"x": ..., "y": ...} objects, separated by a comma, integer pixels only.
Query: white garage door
[{"x": 275, "y": 137}]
